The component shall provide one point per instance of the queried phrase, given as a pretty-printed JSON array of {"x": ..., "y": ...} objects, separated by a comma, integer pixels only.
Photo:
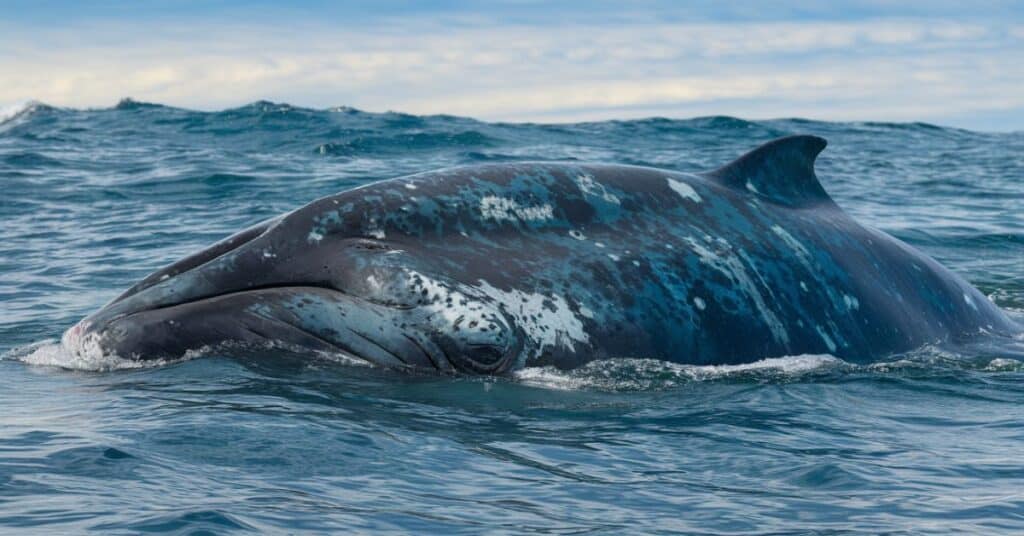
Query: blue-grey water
[{"x": 92, "y": 200}]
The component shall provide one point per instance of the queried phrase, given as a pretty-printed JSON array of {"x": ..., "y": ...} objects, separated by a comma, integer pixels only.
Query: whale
[{"x": 487, "y": 269}]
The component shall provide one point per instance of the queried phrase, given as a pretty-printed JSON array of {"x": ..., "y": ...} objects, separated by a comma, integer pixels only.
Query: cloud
[{"x": 878, "y": 69}]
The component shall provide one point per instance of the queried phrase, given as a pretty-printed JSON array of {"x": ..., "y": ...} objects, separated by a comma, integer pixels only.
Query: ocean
[{"x": 927, "y": 442}]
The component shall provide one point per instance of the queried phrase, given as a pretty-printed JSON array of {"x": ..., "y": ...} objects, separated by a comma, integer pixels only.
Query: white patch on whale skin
[
  {"x": 828, "y": 340},
  {"x": 497, "y": 208},
  {"x": 732, "y": 267},
  {"x": 752, "y": 188},
  {"x": 410, "y": 186},
  {"x": 547, "y": 320},
  {"x": 699, "y": 303},
  {"x": 805, "y": 258},
  {"x": 969, "y": 301},
  {"x": 592, "y": 188},
  {"x": 326, "y": 221},
  {"x": 614, "y": 257},
  {"x": 684, "y": 190},
  {"x": 374, "y": 230},
  {"x": 457, "y": 305},
  {"x": 801, "y": 251},
  {"x": 577, "y": 235}
]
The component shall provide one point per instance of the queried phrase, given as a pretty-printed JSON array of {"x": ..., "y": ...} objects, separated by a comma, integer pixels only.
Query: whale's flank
[{"x": 485, "y": 269}]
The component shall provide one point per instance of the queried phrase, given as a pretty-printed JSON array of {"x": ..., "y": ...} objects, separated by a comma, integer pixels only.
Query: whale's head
[{"x": 322, "y": 279}]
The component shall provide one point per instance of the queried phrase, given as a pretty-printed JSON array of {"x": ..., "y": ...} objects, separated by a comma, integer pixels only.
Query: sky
[{"x": 951, "y": 63}]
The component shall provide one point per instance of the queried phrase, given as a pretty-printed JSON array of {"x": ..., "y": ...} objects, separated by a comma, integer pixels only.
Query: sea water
[{"x": 931, "y": 441}]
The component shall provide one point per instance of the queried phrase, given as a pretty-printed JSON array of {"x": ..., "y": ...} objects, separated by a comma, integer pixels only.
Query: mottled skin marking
[{"x": 489, "y": 268}]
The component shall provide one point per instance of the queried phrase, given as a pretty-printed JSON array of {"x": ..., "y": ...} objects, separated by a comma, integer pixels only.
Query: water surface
[{"x": 927, "y": 442}]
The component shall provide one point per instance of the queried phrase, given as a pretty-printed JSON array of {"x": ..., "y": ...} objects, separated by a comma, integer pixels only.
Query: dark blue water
[{"x": 928, "y": 442}]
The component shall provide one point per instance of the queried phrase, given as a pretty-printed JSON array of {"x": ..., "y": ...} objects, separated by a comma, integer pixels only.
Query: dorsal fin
[{"x": 781, "y": 170}]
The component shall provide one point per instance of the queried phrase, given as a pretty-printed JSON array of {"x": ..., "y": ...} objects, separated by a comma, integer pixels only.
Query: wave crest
[{"x": 12, "y": 113}]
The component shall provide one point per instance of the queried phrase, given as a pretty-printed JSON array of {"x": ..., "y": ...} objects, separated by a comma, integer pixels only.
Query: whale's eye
[{"x": 486, "y": 357}]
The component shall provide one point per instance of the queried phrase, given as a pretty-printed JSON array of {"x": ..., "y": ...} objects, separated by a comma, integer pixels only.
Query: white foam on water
[
  {"x": 641, "y": 374},
  {"x": 13, "y": 110},
  {"x": 54, "y": 354},
  {"x": 794, "y": 364},
  {"x": 76, "y": 351},
  {"x": 12, "y": 114},
  {"x": 1003, "y": 364}
]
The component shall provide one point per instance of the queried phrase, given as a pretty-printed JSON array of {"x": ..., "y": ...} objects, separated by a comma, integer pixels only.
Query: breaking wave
[{"x": 13, "y": 113}]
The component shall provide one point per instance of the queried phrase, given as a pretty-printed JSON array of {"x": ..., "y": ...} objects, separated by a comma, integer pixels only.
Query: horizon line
[{"x": 10, "y": 112}]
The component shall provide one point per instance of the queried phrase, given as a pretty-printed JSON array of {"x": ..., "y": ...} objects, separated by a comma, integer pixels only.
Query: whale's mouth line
[
  {"x": 319, "y": 288},
  {"x": 386, "y": 356}
]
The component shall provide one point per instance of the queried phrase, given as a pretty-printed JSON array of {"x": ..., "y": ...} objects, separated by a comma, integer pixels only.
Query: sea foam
[
  {"x": 630, "y": 374},
  {"x": 11, "y": 113}
]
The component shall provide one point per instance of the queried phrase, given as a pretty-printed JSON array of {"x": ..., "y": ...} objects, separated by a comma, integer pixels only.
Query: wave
[
  {"x": 419, "y": 141},
  {"x": 401, "y": 119},
  {"x": 129, "y": 103},
  {"x": 19, "y": 111}
]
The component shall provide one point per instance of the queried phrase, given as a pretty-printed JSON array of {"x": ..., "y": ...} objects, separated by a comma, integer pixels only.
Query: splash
[
  {"x": 630, "y": 374},
  {"x": 53, "y": 354}
]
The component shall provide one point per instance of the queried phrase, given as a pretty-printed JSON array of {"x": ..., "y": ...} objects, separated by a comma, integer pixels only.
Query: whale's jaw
[
  {"x": 309, "y": 318},
  {"x": 299, "y": 318}
]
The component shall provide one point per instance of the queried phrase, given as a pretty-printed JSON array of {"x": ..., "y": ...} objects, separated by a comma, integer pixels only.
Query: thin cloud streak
[{"x": 895, "y": 70}]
